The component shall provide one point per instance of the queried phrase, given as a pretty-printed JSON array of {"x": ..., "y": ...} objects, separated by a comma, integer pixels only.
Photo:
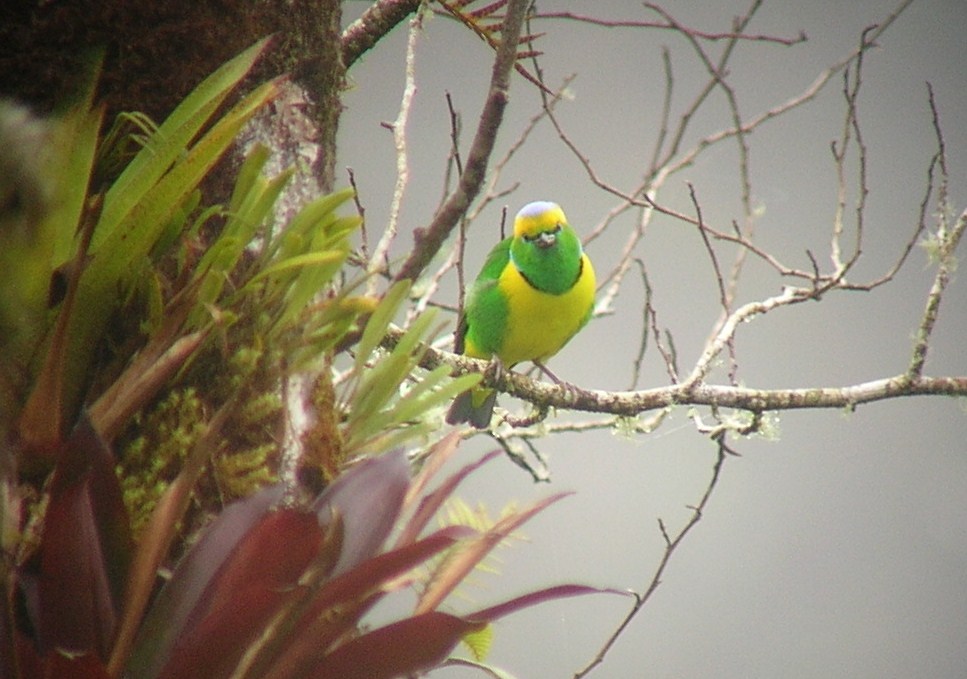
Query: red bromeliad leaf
[
  {"x": 256, "y": 580},
  {"x": 424, "y": 640},
  {"x": 338, "y": 605},
  {"x": 454, "y": 570},
  {"x": 436, "y": 457},
  {"x": 85, "y": 549},
  {"x": 368, "y": 499},
  {"x": 540, "y": 596},
  {"x": 75, "y": 608},
  {"x": 431, "y": 503},
  {"x": 408, "y": 646},
  {"x": 192, "y": 577}
]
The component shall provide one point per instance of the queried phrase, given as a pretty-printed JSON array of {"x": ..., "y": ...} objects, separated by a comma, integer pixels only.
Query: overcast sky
[{"x": 838, "y": 548}]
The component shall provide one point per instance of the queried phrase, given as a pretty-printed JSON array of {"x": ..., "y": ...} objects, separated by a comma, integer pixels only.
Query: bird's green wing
[
  {"x": 496, "y": 261},
  {"x": 485, "y": 314}
]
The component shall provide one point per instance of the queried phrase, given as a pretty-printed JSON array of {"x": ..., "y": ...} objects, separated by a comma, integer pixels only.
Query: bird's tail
[{"x": 475, "y": 406}]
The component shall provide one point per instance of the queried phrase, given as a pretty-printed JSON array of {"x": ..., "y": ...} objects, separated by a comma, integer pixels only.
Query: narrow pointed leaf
[
  {"x": 435, "y": 459},
  {"x": 405, "y": 647},
  {"x": 430, "y": 504},
  {"x": 378, "y": 322},
  {"x": 299, "y": 262},
  {"x": 76, "y": 138},
  {"x": 540, "y": 596},
  {"x": 454, "y": 570},
  {"x": 140, "y": 382}
]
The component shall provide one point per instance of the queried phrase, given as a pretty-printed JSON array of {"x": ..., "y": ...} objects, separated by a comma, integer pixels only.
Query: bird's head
[
  {"x": 545, "y": 249},
  {"x": 540, "y": 223}
]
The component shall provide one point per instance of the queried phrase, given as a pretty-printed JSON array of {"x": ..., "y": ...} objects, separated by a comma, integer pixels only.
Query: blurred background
[{"x": 836, "y": 547}]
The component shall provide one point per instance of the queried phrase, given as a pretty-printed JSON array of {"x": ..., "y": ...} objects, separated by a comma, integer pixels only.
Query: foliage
[
  {"x": 170, "y": 331},
  {"x": 211, "y": 617},
  {"x": 101, "y": 246}
]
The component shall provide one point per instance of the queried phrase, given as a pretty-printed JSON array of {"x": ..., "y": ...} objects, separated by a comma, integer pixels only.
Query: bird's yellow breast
[{"x": 539, "y": 323}]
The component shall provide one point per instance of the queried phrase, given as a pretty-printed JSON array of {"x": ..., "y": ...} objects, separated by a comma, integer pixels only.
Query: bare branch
[
  {"x": 429, "y": 240},
  {"x": 381, "y": 17},
  {"x": 695, "y": 392},
  {"x": 703, "y": 35},
  {"x": 379, "y": 261},
  {"x": 945, "y": 242},
  {"x": 671, "y": 544}
]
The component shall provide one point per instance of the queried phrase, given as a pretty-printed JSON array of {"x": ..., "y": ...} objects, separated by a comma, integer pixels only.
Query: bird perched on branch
[{"x": 535, "y": 291}]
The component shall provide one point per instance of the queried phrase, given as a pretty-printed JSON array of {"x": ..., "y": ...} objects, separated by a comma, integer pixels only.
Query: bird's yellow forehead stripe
[{"x": 536, "y": 217}]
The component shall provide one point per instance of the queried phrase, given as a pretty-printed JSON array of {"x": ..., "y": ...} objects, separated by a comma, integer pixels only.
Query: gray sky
[{"x": 839, "y": 547}]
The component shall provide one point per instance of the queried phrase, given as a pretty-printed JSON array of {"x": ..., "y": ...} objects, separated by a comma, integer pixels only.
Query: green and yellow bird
[{"x": 535, "y": 291}]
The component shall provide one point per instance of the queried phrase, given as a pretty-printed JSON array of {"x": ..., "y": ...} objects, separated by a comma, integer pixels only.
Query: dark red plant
[{"x": 272, "y": 589}]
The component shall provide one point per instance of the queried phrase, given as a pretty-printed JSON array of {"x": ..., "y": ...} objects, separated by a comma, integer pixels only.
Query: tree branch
[
  {"x": 381, "y": 17},
  {"x": 697, "y": 393},
  {"x": 429, "y": 240}
]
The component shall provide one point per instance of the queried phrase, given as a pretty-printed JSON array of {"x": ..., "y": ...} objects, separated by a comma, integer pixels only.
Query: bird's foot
[
  {"x": 571, "y": 388},
  {"x": 495, "y": 371}
]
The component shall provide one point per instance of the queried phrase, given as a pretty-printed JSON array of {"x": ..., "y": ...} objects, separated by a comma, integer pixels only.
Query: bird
[{"x": 533, "y": 294}]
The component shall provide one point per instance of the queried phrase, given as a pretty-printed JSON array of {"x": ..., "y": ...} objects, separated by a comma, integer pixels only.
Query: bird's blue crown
[{"x": 538, "y": 207}]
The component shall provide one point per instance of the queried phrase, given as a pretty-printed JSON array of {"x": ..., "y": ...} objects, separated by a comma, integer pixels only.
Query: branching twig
[
  {"x": 429, "y": 240},
  {"x": 945, "y": 242},
  {"x": 671, "y": 544},
  {"x": 380, "y": 258},
  {"x": 703, "y": 35}
]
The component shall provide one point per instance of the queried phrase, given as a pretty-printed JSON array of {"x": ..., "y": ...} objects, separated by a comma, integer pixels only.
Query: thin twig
[
  {"x": 380, "y": 259},
  {"x": 945, "y": 241},
  {"x": 430, "y": 239},
  {"x": 725, "y": 298},
  {"x": 361, "y": 211},
  {"x": 703, "y": 35},
  {"x": 671, "y": 544}
]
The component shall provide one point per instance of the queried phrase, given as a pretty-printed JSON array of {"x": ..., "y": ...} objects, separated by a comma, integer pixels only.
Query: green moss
[
  {"x": 153, "y": 458},
  {"x": 152, "y": 452}
]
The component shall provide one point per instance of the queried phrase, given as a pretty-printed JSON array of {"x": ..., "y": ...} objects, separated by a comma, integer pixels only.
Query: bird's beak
[{"x": 546, "y": 240}]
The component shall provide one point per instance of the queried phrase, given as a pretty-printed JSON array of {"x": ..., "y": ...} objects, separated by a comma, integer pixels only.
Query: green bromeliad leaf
[{"x": 138, "y": 210}]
